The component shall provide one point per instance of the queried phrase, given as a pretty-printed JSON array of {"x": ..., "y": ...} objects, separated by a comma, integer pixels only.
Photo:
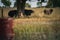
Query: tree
[
  {"x": 7, "y": 3},
  {"x": 54, "y": 3},
  {"x": 20, "y": 7},
  {"x": 27, "y": 5},
  {"x": 42, "y": 0},
  {"x": 15, "y": 4},
  {"x": 39, "y": 4},
  {"x": 50, "y": 3}
]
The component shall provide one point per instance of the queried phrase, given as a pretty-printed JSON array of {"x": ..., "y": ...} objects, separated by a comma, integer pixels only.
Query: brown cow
[{"x": 48, "y": 12}]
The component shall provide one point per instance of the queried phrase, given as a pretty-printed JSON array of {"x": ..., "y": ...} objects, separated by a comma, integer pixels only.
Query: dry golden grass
[{"x": 38, "y": 27}]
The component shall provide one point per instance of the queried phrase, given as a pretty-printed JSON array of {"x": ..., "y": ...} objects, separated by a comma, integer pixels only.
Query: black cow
[
  {"x": 48, "y": 12},
  {"x": 13, "y": 13},
  {"x": 28, "y": 12}
]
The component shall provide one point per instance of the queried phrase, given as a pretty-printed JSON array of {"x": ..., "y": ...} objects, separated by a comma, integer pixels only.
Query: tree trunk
[{"x": 20, "y": 7}]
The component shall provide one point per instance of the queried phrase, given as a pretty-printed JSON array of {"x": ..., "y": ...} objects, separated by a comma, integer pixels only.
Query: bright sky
[{"x": 1, "y": 3}]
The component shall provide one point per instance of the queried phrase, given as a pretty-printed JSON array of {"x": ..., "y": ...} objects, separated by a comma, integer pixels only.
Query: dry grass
[{"x": 38, "y": 27}]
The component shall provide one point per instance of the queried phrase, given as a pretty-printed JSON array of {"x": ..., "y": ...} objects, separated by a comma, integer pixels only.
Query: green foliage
[
  {"x": 27, "y": 5},
  {"x": 42, "y": 0},
  {"x": 53, "y": 3},
  {"x": 6, "y": 2},
  {"x": 50, "y": 4},
  {"x": 39, "y": 4},
  {"x": 0, "y": 6},
  {"x": 58, "y": 3}
]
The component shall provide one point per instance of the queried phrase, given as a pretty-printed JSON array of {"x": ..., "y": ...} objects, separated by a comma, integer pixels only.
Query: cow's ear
[{"x": 51, "y": 10}]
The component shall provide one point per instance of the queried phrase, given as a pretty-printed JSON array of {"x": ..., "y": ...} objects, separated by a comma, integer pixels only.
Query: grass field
[{"x": 38, "y": 27}]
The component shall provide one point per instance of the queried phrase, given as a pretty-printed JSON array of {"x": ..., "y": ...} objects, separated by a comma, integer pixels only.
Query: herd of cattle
[{"x": 13, "y": 13}]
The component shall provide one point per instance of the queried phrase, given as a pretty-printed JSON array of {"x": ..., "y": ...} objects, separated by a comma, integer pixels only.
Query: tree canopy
[
  {"x": 53, "y": 3},
  {"x": 6, "y": 3}
]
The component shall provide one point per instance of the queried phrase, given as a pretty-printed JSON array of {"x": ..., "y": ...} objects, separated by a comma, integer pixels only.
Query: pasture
[
  {"x": 38, "y": 26},
  {"x": 37, "y": 29},
  {"x": 38, "y": 12}
]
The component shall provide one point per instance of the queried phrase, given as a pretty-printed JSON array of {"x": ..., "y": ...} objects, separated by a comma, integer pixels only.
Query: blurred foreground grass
[{"x": 27, "y": 29}]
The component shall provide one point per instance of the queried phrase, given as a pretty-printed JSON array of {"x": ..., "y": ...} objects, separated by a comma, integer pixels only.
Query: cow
[
  {"x": 28, "y": 12},
  {"x": 13, "y": 13},
  {"x": 48, "y": 12}
]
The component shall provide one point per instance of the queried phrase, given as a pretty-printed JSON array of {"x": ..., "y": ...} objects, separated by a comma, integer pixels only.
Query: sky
[
  {"x": 1, "y": 3},
  {"x": 12, "y": 3},
  {"x": 33, "y": 3}
]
